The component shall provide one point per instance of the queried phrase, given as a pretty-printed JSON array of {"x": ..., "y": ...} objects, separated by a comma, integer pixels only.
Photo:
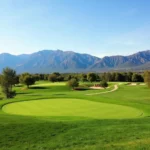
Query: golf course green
[{"x": 71, "y": 107}]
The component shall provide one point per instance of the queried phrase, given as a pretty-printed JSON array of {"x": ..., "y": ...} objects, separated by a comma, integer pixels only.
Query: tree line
[
  {"x": 92, "y": 77},
  {"x": 9, "y": 78}
]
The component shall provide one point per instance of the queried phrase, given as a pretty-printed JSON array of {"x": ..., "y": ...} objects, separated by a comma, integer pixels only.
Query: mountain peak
[{"x": 46, "y": 61}]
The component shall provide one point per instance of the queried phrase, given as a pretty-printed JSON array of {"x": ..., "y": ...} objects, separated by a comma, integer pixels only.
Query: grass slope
[{"x": 53, "y": 133}]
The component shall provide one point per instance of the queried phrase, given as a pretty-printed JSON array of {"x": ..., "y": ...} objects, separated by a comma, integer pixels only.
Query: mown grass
[
  {"x": 71, "y": 133},
  {"x": 71, "y": 107}
]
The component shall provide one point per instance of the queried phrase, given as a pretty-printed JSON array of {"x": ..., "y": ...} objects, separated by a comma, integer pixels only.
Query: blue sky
[{"x": 97, "y": 27}]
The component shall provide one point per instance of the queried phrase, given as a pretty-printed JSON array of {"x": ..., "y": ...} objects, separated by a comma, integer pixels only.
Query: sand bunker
[
  {"x": 96, "y": 88},
  {"x": 132, "y": 84}
]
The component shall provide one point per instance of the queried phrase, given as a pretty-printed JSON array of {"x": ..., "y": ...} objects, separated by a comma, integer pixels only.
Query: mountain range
[{"x": 47, "y": 61}]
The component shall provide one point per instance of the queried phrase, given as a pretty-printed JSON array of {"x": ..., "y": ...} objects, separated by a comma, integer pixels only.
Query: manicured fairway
[{"x": 71, "y": 107}]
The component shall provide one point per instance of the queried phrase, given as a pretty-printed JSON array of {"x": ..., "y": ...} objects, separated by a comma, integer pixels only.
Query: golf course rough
[{"x": 71, "y": 107}]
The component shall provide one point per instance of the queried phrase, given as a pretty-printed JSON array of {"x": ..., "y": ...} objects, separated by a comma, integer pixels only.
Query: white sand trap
[
  {"x": 133, "y": 84},
  {"x": 96, "y": 88},
  {"x": 115, "y": 88}
]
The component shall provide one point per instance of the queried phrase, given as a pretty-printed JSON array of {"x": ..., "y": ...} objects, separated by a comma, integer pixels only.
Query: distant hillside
[
  {"x": 136, "y": 61},
  {"x": 47, "y": 61}
]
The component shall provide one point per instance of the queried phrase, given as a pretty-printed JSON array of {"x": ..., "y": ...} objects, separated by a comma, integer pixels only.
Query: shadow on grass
[
  {"x": 1, "y": 98},
  {"x": 24, "y": 93},
  {"x": 18, "y": 85},
  {"x": 38, "y": 87},
  {"x": 81, "y": 88}
]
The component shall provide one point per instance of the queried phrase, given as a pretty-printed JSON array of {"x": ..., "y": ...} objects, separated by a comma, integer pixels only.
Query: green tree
[
  {"x": 113, "y": 76},
  {"x": 45, "y": 77},
  {"x": 69, "y": 77},
  {"x": 27, "y": 79},
  {"x": 103, "y": 83},
  {"x": 55, "y": 77},
  {"x": 91, "y": 77},
  {"x": 108, "y": 76},
  {"x": 125, "y": 76},
  {"x": 60, "y": 78},
  {"x": 7, "y": 80},
  {"x": 16, "y": 80},
  {"x": 73, "y": 83},
  {"x": 137, "y": 78},
  {"x": 119, "y": 77},
  {"x": 83, "y": 77},
  {"x": 134, "y": 77},
  {"x": 129, "y": 76},
  {"x": 52, "y": 77},
  {"x": 57, "y": 73},
  {"x": 147, "y": 78},
  {"x": 36, "y": 77}
]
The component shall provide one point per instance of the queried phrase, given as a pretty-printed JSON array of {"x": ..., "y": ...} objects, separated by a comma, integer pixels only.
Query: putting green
[{"x": 71, "y": 107}]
